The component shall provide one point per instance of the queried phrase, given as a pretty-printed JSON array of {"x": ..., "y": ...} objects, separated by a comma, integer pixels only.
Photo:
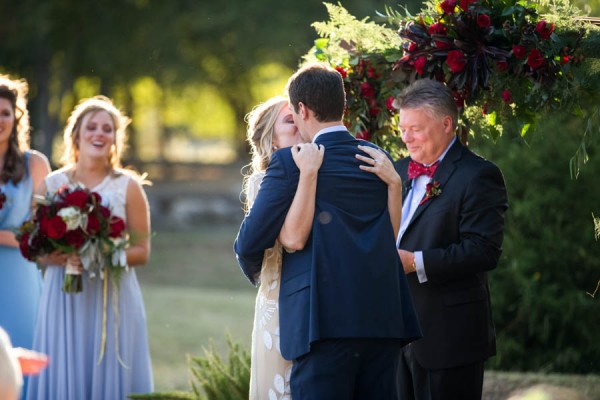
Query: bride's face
[
  {"x": 97, "y": 135},
  {"x": 286, "y": 134}
]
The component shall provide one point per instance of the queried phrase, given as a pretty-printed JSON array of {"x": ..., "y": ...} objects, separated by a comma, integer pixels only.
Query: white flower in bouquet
[{"x": 72, "y": 218}]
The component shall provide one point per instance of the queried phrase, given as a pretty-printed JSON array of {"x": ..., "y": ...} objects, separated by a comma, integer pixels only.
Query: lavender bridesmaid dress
[{"x": 70, "y": 327}]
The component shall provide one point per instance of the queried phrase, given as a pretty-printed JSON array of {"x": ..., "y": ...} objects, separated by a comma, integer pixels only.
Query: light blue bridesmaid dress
[
  {"x": 20, "y": 280},
  {"x": 71, "y": 327}
]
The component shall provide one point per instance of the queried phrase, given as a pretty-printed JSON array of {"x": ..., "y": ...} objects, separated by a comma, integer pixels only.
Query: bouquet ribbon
[{"x": 115, "y": 304}]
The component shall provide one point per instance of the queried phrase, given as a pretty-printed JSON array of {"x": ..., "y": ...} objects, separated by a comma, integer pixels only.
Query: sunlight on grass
[
  {"x": 196, "y": 259},
  {"x": 182, "y": 321}
]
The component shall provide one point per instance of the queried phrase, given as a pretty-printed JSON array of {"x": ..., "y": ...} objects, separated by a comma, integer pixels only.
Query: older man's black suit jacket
[{"x": 460, "y": 233}]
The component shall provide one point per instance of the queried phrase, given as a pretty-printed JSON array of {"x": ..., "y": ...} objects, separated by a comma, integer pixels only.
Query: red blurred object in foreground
[{"x": 32, "y": 362}]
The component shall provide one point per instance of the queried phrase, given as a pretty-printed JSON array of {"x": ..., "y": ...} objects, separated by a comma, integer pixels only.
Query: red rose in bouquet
[
  {"x": 73, "y": 220},
  {"x": 2, "y": 199}
]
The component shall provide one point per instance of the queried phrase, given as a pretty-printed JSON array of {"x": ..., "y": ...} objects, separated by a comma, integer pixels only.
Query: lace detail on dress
[
  {"x": 253, "y": 185},
  {"x": 270, "y": 372},
  {"x": 113, "y": 189},
  {"x": 114, "y": 194}
]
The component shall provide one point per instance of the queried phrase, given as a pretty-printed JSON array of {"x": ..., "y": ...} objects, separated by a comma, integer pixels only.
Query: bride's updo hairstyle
[{"x": 75, "y": 121}]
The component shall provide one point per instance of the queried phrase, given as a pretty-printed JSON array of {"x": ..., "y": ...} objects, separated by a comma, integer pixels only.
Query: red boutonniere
[{"x": 432, "y": 190}]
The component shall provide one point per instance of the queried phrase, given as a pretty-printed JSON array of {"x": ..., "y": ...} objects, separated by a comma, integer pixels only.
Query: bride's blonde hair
[{"x": 261, "y": 128}]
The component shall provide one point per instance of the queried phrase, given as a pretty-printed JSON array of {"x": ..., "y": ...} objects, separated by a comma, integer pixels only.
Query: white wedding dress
[{"x": 270, "y": 372}]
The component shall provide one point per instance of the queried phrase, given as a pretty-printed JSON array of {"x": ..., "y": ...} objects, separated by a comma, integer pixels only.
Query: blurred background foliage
[
  {"x": 545, "y": 316},
  {"x": 187, "y": 71}
]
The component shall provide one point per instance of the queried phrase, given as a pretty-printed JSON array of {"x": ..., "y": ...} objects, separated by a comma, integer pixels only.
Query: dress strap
[{"x": 26, "y": 158}]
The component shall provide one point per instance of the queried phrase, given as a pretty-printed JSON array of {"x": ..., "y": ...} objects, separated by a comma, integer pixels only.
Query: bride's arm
[
  {"x": 384, "y": 169},
  {"x": 298, "y": 221}
]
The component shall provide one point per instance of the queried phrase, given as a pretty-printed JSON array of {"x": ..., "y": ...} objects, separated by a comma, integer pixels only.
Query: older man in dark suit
[{"x": 450, "y": 237}]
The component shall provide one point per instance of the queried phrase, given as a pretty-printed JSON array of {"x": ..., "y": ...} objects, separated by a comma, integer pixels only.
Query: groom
[{"x": 345, "y": 310}]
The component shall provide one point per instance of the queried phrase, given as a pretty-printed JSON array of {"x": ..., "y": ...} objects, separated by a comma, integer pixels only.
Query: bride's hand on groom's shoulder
[
  {"x": 308, "y": 157},
  {"x": 379, "y": 164}
]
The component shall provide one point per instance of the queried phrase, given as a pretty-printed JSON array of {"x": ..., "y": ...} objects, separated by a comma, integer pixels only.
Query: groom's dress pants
[{"x": 347, "y": 369}]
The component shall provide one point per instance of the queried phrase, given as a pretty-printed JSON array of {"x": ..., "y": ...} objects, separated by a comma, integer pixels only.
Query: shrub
[
  {"x": 545, "y": 318},
  {"x": 213, "y": 377}
]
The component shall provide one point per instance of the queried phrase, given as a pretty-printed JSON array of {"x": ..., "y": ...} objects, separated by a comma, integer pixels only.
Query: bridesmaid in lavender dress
[
  {"x": 21, "y": 170},
  {"x": 92, "y": 357}
]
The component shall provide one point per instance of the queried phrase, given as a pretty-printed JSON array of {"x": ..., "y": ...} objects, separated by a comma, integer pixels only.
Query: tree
[
  {"x": 53, "y": 43},
  {"x": 544, "y": 315}
]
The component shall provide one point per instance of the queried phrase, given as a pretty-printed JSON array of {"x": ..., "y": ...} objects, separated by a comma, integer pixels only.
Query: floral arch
[{"x": 508, "y": 64}]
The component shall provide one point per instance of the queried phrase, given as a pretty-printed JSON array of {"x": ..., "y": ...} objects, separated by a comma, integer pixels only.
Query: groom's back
[
  {"x": 342, "y": 184},
  {"x": 348, "y": 275}
]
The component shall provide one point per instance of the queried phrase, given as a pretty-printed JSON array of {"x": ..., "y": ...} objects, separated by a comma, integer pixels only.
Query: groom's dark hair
[{"x": 321, "y": 89}]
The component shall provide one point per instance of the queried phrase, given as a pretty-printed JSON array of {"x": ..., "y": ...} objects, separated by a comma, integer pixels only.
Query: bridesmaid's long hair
[
  {"x": 261, "y": 124},
  {"x": 15, "y": 91}
]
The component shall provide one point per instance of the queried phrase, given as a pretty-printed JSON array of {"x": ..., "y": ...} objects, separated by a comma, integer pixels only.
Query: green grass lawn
[
  {"x": 199, "y": 259},
  {"x": 195, "y": 294},
  {"x": 183, "y": 321}
]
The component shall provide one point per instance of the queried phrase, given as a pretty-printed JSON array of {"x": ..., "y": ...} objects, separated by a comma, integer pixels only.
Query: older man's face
[{"x": 426, "y": 135}]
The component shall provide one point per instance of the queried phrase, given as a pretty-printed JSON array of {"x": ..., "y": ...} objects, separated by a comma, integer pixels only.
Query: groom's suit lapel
[{"x": 442, "y": 174}]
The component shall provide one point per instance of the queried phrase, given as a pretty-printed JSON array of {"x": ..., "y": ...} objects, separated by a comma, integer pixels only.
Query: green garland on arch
[{"x": 509, "y": 65}]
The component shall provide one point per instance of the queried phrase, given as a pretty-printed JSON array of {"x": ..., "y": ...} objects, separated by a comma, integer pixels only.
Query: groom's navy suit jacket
[
  {"x": 460, "y": 234},
  {"x": 348, "y": 281}
]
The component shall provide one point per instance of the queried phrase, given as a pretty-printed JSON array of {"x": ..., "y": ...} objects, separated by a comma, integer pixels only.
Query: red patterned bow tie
[{"x": 416, "y": 169}]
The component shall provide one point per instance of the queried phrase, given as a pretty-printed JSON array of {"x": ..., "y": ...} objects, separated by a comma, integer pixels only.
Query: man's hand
[{"x": 408, "y": 261}]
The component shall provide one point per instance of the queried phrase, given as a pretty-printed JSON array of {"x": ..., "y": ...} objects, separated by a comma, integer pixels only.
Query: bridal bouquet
[
  {"x": 2, "y": 199},
  {"x": 73, "y": 220}
]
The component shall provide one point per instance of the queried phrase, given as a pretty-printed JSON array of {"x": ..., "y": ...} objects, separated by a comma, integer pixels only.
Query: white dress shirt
[
  {"x": 335, "y": 128},
  {"x": 409, "y": 206}
]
